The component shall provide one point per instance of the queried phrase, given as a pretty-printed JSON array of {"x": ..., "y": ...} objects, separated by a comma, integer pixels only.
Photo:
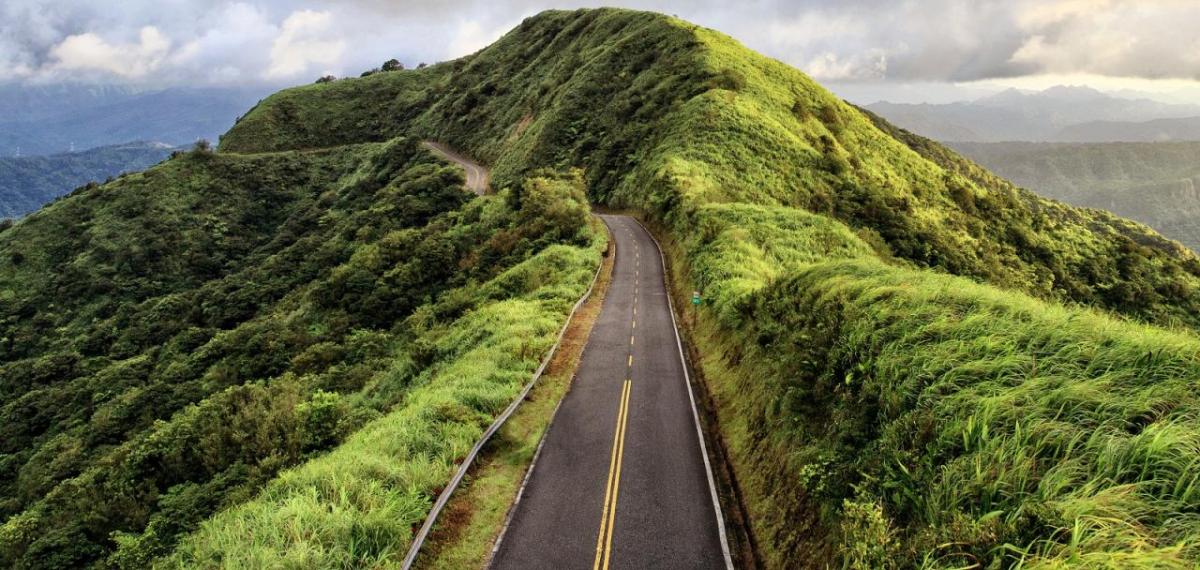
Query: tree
[
  {"x": 392, "y": 65},
  {"x": 326, "y": 79}
]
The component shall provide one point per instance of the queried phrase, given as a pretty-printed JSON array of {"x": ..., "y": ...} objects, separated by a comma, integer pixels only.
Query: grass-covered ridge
[{"x": 886, "y": 335}]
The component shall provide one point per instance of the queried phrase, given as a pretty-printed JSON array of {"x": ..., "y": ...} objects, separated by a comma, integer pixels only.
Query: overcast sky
[{"x": 900, "y": 50}]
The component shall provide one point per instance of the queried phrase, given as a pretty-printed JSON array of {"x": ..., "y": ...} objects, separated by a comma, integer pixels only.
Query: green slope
[
  {"x": 1153, "y": 183},
  {"x": 914, "y": 363}
]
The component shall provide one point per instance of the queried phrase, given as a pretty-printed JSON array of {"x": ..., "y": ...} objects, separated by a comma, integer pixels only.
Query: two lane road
[{"x": 621, "y": 480}]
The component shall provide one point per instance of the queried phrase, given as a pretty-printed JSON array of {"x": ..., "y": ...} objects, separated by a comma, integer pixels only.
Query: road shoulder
[{"x": 466, "y": 532}]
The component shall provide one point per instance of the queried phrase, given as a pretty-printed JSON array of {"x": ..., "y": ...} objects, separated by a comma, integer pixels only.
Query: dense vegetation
[
  {"x": 1153, "y": 183},
  {"x": 915, "y": 363},
  {"x": 174, "y": 339},
  {"x": 895, "y": 374},
  {"x": 28, "y": 183}
]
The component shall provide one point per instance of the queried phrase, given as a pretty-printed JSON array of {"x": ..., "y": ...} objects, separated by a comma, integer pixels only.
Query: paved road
[
  {"x": 621, "y": 480},
  {"x": 477, "y": 175}
]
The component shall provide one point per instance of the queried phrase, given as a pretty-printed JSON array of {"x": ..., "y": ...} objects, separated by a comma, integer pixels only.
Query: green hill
[
  {"x": 173, "y": 340},
  {"x": 28, "y": 183},
  {"x": 913, "y": 362},
  {"x": 1153, "y": 183}
]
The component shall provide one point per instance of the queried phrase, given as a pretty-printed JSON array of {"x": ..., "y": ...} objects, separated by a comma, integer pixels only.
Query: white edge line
[
  {"x": 712, "y": 486},
  {"x": 512, "y": 509},
  {"x": 444, "y": 497}
]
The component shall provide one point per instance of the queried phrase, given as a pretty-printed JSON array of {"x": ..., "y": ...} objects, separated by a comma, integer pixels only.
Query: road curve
[
  {"x": 621, "y": 480},
  {"x": 477, "y": 175}
]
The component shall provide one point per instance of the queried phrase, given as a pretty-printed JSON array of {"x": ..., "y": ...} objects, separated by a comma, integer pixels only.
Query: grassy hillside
[
  {"x": 915, "y": 364},
  {"x": 695, "y": 119},
  {"x": 28, "y": 183},
  {"x": 1153, "y": 183},
  {"x": 896, "y": 339},
  {"x": 174, "y": 340}
]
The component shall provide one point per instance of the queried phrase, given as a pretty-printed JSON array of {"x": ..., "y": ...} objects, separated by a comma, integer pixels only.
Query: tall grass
[{"x": 985, "y": 426}]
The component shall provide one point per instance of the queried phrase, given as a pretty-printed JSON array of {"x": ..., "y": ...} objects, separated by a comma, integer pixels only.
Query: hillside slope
[
  {"x": 913, "y": 362},
  {"x": 30, "y": 182},
  {"x": 1153, "y": 183}
]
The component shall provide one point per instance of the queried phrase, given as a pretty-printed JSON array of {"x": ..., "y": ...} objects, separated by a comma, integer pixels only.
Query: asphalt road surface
[
  {"x": 477, "y": 175},
  {"x": 621, "y": 480}
]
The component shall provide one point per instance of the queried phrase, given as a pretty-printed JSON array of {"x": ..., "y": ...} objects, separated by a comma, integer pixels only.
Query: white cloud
[
  {"x": 89, "y": 52},
  {"x": 471, "y": 36},
  {"x": 871, "y": 64},
  {"x": 303, "y": 41},
  {"x": 236, "y": 41}
]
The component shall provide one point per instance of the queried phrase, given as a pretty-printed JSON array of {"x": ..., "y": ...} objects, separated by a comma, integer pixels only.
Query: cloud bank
[{"x": 224, "y": 42}]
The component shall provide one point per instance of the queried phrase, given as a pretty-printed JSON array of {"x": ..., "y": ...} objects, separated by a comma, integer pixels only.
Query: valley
[{"x": 1153, "y": 183}]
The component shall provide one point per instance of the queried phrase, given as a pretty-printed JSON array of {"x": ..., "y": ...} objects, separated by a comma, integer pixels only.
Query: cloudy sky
[{"x": 866, "y": 49}]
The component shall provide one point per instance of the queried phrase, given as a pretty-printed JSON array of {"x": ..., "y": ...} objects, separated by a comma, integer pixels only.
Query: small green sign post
[{"x": 695, "y": 297}]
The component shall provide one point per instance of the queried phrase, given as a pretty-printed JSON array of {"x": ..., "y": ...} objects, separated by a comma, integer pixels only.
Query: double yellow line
[{"x": 609, "y": 514}]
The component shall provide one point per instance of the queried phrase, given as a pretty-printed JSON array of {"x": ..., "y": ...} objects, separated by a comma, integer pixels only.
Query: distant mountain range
[
  {"x": 1153, "y": 183},
  {"x": 1058, "y": 114},
  {"x": 28, "y": 183},
  {"x": 40, "y": 120}
]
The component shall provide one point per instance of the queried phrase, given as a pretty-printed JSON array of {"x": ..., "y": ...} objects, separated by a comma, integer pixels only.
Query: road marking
[
  {"x": 635, "y": 324},
  {"x": 609, "y": 514},
  {"x": 631, "y": 360},
  {"x": 630, "y": 340}
]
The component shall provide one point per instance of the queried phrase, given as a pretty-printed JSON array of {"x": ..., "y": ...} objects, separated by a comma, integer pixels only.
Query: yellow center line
[
  {"x": 630, "y": 340},
  {"x": 631, "y": 360},
  {"x": 635, "y": 324},
  {"x": 609, "y": 513}
]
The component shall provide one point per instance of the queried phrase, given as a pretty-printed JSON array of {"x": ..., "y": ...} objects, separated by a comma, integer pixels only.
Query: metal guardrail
[{"x": 444, "y": 497}]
